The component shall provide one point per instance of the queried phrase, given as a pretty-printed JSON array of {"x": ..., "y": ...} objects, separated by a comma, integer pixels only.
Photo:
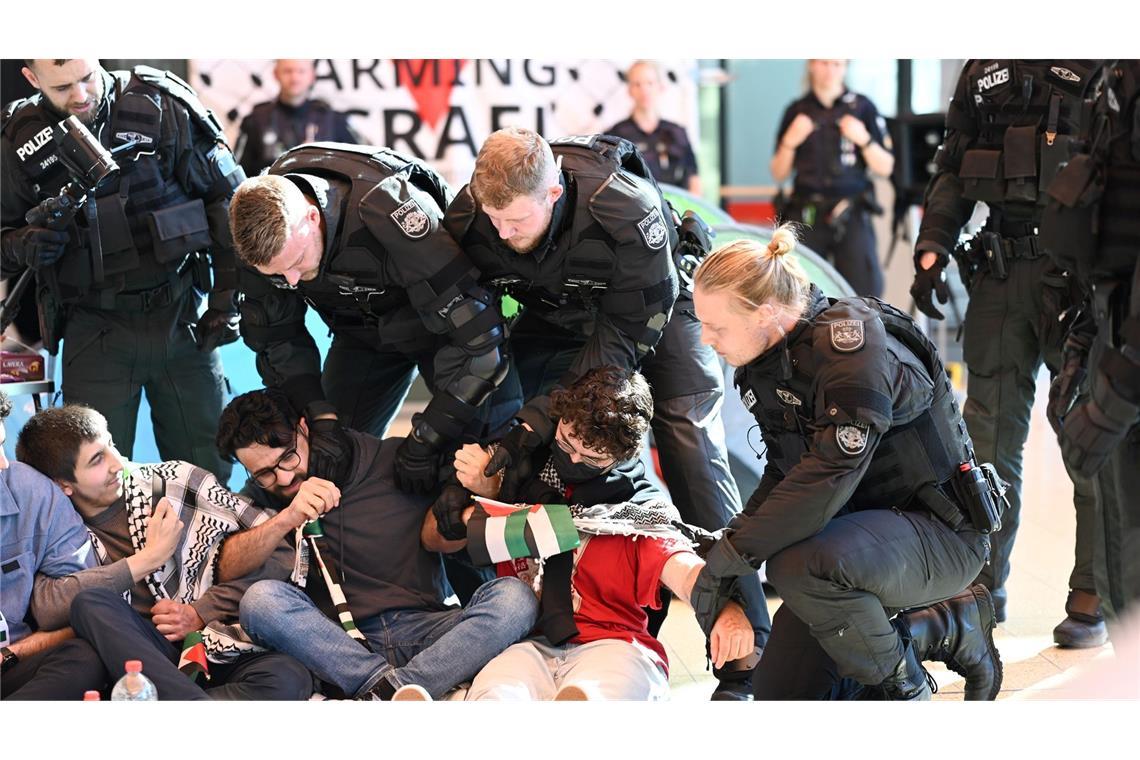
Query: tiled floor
[{"x": 1042, "y": 559}]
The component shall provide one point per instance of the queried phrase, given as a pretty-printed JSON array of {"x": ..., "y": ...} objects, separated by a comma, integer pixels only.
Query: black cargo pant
[
  {"x": 1004, "y": 344},
  {"x": 110, "y": 357},
  {"x": 62, "y": 672},
  {"x": 688, "y": 394},
  {"x": 841, "y": 587},
  {"x": 851, "y": 249}
]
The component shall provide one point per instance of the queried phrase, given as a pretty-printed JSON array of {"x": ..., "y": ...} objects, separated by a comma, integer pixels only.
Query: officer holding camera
[
  {"x": 1010, "y": 126},
  {"x": 121, "y": 282}
]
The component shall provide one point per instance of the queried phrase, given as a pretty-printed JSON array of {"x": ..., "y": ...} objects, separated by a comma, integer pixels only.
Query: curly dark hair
[
  {"x": 51, "y": 439},
  {"x": 609, "y": 409},
  {"x": 5, "y": 406},
  {"x": 264, "y": 416}
]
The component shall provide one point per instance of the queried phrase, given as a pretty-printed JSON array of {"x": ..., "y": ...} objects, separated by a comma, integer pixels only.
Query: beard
[{"x": 87, "y": 118}]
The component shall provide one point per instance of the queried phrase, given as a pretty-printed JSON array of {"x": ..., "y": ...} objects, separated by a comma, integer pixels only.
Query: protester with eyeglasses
[
  {"x": 362, "y": 604},
  {"x": 156, "y": 530}
]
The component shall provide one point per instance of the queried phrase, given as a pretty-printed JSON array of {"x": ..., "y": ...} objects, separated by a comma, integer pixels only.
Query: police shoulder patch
[
  {"x": 652, "y": 229},
  {"x": 847, "y": 335},
  {"x": 411, "y": 219},
  {"x": 749, "y": 399},
  {"x": 852, "y": 437}
]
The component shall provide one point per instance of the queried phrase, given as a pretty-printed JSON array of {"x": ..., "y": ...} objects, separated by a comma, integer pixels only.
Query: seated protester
[
  {"x": 592, "y": 641},
  {"x": 367, "y": 569},
  {"x": 39, "y": 532},
  {"x": 158, "y": 529}
]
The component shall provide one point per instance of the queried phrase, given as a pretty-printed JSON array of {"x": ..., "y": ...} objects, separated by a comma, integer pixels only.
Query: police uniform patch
[
  {"x": 852, "y": 438},
  {"x": 586, "y": 141},
  {"x": 652, "y": 229},
  {"x": 847, "y": 335},
  {"x": 749, "y": 400},
  {"x": 788, "y": 397},
  {"x": 411, "y": 220},
  {"x": 1063, "y": 73},
  {"x": 134, "y": 137}
]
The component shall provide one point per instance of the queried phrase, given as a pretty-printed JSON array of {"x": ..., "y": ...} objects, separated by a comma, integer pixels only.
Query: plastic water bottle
[{"x": 134, "y": 686}]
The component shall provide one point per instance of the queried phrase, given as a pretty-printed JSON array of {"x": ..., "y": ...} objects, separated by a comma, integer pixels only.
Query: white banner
[{"x": 441, "y": 110}]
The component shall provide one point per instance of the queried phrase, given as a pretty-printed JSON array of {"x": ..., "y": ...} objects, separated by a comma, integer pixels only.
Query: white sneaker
[{"x": 411, "y": 693}]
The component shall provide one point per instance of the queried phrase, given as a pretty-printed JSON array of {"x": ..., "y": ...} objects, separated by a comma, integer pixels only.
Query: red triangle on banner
[{"x": 429, "y": 81}]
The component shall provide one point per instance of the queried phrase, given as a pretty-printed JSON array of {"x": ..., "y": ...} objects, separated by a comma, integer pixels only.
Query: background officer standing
[
  {"x": 1009, "y": 128},
  {"x": 1092, "y": 228},
  {"x": 663, "y": 144},
  {"x": 578, "y": 232},
  {"x": 831, "y": 137},
  {"x": 291, "y": 119},
  {"x": 129, "y": 305},
  {"x": 355, "y": 233}
]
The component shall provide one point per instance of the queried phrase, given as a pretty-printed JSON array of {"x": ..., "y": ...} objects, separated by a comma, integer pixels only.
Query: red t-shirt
[{"x": 614, "y": 578}]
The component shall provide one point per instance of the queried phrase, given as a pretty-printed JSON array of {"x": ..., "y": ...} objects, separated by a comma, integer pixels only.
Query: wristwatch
[{"x": 10, "y": 659}]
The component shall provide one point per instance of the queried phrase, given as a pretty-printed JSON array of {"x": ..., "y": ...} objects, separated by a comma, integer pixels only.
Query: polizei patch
[
  {"x": 1063, "y": 73},
  {"x": 749, "y": 400},
  {"x": 652, "y": 229},
  {"x": 852, "y": 438},
  {"x": 991, "y": 78},
  {"x": 847, "y": 335},
  {"x": 411, "y": 220}
]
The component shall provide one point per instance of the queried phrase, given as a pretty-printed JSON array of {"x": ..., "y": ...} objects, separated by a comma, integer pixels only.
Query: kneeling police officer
[{"x": 871, "y": 501}]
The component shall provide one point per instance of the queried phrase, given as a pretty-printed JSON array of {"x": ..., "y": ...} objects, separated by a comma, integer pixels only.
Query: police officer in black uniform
[
  {"x": 122, "y": 284},
  {"x": 1009, "y": 128},
  {"x": 871, "y": 501},
  {"x": 831, "y": 137},
  {"x": 1091, "y": 227},
  {"x": 578, "y": 232},
  {"x": 357, "y": 235},
  {"x": 662, "y": 143},
  {"x": 289, "y": 120}
]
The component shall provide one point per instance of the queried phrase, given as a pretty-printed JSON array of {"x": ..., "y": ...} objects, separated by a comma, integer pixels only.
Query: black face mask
[{"x": 570, "y": 472}]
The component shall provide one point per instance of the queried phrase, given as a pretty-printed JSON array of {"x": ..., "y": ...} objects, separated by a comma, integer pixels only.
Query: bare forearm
[
  {"x": 433, "y": 542},
  {"x": 680, "y": 573},
  {"x": 879, "y": 159},
  {"x": 781, "y": 164},
  {"x": 244, "y": 552},
  {"x": 41, "y": 641}
]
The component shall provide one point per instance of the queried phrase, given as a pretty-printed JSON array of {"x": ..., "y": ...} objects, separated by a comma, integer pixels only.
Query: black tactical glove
[
  {"x": 929, "y": 282},
  {"x": 218, "y": 325},
  {"x": 1067, "y": 384},
  {"x": 514, "y": 454},
  {"x": 417, "y": 464},
  {"x": 695, "y": 241},
  {"x": 1093, "y": 429},
  {"x": 701, "y": 539},
  {"x": 330, "y": 450},
  {"x": 448, "y": 510},
  {"x": 34, "y": 247}
]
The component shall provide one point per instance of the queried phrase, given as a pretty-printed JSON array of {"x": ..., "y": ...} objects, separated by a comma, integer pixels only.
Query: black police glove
[
  {"x": 330, "y": 450},
  {"x": 695, "y": 236},
  {"x": 34, "y": 247},
  {"x": 417, "y": 465},
  {"x": 218, "y": 325},
  {"x": 1067, "y": 384},
  {"x": 1093, "y": 429},
  {"x": 928, "y": 283},
  {"x": 514, "y": 457},
  {"x": 701, "y": 539},
  {"x": 448, "y": 510}
]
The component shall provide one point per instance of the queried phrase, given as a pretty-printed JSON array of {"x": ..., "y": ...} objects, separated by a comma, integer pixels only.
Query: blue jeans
[{"x": 433, "y": 649}]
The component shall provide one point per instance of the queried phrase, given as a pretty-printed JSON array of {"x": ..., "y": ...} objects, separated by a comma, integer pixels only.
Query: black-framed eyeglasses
[{"x": 287, "y": 462}]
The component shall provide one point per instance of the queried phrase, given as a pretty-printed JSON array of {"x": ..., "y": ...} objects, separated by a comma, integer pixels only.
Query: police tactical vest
[
  {"x": 781, "y": 396},
  {"x": 148, "y": 223},
  {"x": 589, "y": 163},
  {"x": 1092, "y": 223},
  {"x": 1030, "y": 120},
  {"x": 352, "y": 291},
  {"x": 276, "y": 128}
]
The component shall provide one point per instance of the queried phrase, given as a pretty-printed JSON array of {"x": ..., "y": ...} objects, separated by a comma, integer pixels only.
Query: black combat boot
[
  {"x": 959, "y": 632},
  {"x": 1084, "y": 626},
  {"x": 909, "y": 682}
]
